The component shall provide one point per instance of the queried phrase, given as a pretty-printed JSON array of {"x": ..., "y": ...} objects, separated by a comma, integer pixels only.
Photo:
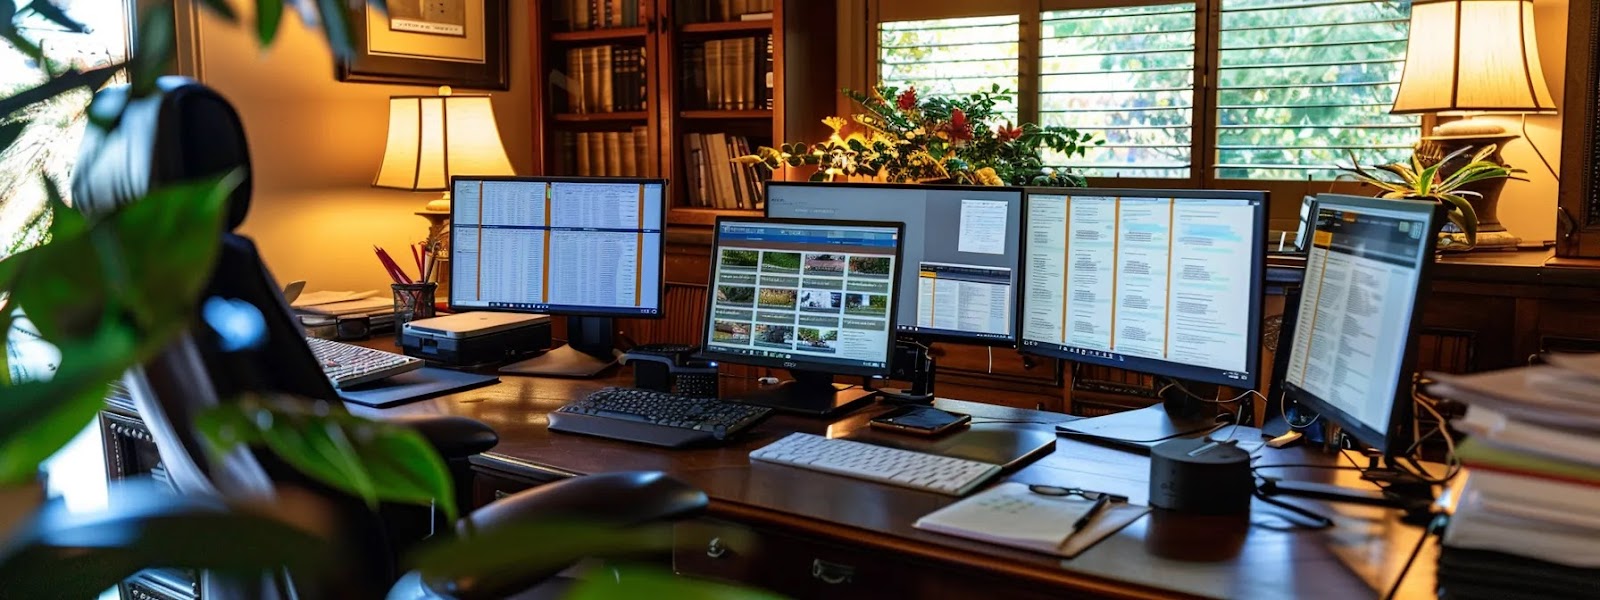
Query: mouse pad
[
  {"x": 1006, "y": 444},
  {"x": 426, "y": 382}
]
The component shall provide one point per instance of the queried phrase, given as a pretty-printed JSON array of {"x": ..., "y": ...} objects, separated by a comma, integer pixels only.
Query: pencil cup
[{"x": 412, "y": 301}]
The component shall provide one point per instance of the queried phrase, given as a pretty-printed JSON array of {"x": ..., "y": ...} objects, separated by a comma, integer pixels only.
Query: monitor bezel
[
  {"x": 1384, "y": 441},
  {"x": 1258, "y": 259},
  {"x": 661, "y": 279},
  {"x": 708, "y": 352},
  {"x": 940, "y": 336}
]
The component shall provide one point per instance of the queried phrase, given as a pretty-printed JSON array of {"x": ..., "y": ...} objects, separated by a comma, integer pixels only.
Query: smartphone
[{"x": 920, "y": 420}]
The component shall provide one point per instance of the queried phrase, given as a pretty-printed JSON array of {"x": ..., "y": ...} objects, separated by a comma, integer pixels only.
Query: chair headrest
[{"x": 183, "y": 131}]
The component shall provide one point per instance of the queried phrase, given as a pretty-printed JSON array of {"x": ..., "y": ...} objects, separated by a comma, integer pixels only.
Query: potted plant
[
  {"x": 1418, "y": 182},
  {"x": 914, "y": 140}
]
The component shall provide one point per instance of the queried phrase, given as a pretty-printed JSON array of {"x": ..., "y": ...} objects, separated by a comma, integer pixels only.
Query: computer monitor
[
  {"x": 1168, "y": 282},
  {"x": 1366, "y": 270},
  {"x": 962, "y": 250},
  {"x": 586, "y": 248},
  {"x": 815, "y": 297}
]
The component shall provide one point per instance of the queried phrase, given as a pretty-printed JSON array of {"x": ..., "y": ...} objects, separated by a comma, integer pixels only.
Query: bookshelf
[{"x": 685, "y": 127}]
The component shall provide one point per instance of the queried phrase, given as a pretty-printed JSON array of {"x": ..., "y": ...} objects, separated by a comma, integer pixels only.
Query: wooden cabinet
[{"x": 1578, "y": 221}]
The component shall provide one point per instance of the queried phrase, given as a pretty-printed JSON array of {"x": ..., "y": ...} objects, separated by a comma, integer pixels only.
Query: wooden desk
[{"x": 775, "y": 526}]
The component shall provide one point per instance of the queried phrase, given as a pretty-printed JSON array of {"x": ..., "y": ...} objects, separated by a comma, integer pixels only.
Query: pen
[{"x": 1099, "y": 507}]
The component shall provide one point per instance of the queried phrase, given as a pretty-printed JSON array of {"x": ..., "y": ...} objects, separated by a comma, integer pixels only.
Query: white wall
[{"x": 316, "y": 144}]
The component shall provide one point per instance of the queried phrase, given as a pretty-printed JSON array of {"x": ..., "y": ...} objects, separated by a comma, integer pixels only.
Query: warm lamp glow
[
  {"x": 1473, "y": 56},
  {"x": 434, "y": 137}
]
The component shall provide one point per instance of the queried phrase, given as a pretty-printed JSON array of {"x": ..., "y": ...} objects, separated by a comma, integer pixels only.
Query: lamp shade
[
  {"x": 1473, "y": 56},
  {"x": 434, "y": 137}
]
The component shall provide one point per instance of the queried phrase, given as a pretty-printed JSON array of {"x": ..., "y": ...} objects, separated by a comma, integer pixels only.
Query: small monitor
[
  {"x": 1366, "y": 269},
  {"x": 589, "y": 249},
  {"x": 1168, "y": 282},
  {"x": 814, "y": 297},
  {"x": 963, "y": 248}
]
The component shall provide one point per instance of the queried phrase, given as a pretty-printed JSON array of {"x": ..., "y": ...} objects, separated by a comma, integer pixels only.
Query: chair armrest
[
  {"x": 621, "y": 499},
  {"x": 610, "y": 499},
  {"x": 452, "y": 436}
]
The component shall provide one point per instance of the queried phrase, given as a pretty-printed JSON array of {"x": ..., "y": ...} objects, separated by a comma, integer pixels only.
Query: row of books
[
  {"x": 726, "y": 10},
  {"x": 1527, "y": 523},
  {"x": 584, "y": 15},
  {"x": 610, "y": 78},
  {"x": 730, "y": 74},
  {"x": 608, "y": 153},
  {"x": 715, "y": 181}
]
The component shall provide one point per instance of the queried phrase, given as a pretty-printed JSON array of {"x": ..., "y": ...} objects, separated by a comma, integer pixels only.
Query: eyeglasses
[{"x": 1053, "y": 490}]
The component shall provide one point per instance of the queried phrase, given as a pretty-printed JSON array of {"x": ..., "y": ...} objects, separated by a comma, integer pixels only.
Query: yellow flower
[
  {"x": 987, "y": 176},
  {"x": 835, "y": 123}
]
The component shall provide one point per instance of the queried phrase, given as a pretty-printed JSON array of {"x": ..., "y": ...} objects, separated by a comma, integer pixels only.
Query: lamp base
[
  {"x": 440, "y": 204},
  {"x": 1487, "y": 240}
]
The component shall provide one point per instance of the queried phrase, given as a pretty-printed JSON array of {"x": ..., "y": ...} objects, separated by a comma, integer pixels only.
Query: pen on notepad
[{"x": 1099, "y": 507}]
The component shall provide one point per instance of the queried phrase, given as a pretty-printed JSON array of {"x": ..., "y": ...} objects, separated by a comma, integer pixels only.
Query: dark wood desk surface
[{"x": 1360, "y": 558}]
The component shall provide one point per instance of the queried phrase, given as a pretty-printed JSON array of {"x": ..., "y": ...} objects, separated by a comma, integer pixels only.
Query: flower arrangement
[{"x": 914, "y": 140}]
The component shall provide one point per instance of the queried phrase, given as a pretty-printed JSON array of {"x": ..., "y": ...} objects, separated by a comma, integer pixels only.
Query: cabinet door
[{"x": 1578, "y": 224}]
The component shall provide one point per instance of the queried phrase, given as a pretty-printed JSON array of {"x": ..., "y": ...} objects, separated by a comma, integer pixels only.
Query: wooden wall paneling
[{"x": 1578, "y": 225}]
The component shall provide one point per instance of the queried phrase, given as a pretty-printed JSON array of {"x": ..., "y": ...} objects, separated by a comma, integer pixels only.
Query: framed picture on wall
[{"x": 459, "y": 43}]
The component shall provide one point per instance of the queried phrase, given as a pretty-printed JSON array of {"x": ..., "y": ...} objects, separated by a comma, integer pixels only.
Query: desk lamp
[
  {"x": 1469, "y": 57},
  {"x": 432, "y": 138}
]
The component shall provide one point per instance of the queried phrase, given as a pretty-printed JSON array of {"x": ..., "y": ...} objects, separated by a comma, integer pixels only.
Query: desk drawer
[{"x": 799, "y": 567}]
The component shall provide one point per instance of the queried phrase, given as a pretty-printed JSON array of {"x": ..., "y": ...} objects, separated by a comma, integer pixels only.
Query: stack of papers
[
  {"x": 343, "y": 304},
  {"x": 1533, "y": 496}
]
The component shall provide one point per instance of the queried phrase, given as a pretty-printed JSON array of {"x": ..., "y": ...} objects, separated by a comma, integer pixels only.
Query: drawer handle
[
  {"x": 715, "y": 548},
  {"x": 831, "y": 573}
]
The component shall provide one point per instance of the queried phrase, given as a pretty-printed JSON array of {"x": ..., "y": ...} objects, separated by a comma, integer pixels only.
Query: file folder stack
[{"x": 1527, "y": 524}]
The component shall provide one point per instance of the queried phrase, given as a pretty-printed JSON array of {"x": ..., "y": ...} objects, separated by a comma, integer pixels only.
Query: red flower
[
  {"x": 958, "y": 128},
  {"x": 1007, "y": 132},
  {"x": 907, "y": 99}
]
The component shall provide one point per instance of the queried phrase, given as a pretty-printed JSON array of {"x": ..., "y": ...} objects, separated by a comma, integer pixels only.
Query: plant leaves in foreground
[{"x": 634, "y": 581}]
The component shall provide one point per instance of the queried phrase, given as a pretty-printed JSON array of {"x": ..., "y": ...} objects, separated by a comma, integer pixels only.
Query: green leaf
[
  {"x": 167, "y": 244},
  {"x": 371, "y": 460},
  {"x": 657, "y": 584},
  {"x": 62, "y": 288},
  {"x": 152, "y": 56},
  {"x": 38, "y": 417},
  {"x": 49, "y": 10},
  {"x": 1463, "y": 215},
  {"x": 269, "y": 14}
]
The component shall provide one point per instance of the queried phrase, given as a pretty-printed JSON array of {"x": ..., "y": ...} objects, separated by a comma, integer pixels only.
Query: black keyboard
[{"x": 656, "y": 418}]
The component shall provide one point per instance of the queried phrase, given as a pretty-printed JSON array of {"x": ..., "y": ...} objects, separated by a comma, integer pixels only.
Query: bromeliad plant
[
  {"x": 1417, "y": 181},
  {"x": 914, "y": 140}
]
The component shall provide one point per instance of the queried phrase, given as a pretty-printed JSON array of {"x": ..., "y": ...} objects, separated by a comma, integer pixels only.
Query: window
[
  {"x": 951, "y": 57},
  {"x": 1126, "y": 74},
  {"x": 50, "y": 142},
  {"x": 1301, "y": 83},
  {"x": 1199, "y": 91}
]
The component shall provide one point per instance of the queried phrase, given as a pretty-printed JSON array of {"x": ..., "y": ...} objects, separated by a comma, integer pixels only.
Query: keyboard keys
[
  {"x": 348, "y": 365},
  {"x": 893, "y": 466}
]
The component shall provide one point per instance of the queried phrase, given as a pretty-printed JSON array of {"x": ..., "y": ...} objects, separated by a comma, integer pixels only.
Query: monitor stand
[
  {"x": 588, "y": 353},
  {"x": 810, "y": 393},
  {"x": 919, "y": 370}
]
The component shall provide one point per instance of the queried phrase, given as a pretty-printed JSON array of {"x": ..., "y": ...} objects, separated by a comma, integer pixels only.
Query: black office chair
[{"x": 188, "y": 131}]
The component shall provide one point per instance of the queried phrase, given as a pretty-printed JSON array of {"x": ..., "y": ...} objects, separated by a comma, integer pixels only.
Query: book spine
[
  {"x": 766, "y": 73},
  {"x": 591, "y": 84},
  {"x": 714, "y": 74},
  {"x": 641, "y": 148},
  {"x": 730, "y": 74},
  {"x": 606, "y": 75},
  {"x": 574, "y": 82},
  {"x": 697, "y": 77},
  {"x": 736, "y": 175},
  {"x": 584, "y": 167},
  {"x": 594, "y": 14}
]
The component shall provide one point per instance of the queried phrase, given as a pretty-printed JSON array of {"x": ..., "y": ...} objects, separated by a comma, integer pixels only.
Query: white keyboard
[
  {"x": 348, "y": 365},
  {"x": 904, "y": 468}
]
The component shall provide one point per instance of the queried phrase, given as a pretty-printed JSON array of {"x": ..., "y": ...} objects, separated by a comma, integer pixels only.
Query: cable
[
  {"x": 1537, "y": 152},
  {"x": 1186, "y": 392},
  {"x": 1452, "y": 462},
  {"x": 1318, "y": 521},
  {"x": 1434, "y": 526}
]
